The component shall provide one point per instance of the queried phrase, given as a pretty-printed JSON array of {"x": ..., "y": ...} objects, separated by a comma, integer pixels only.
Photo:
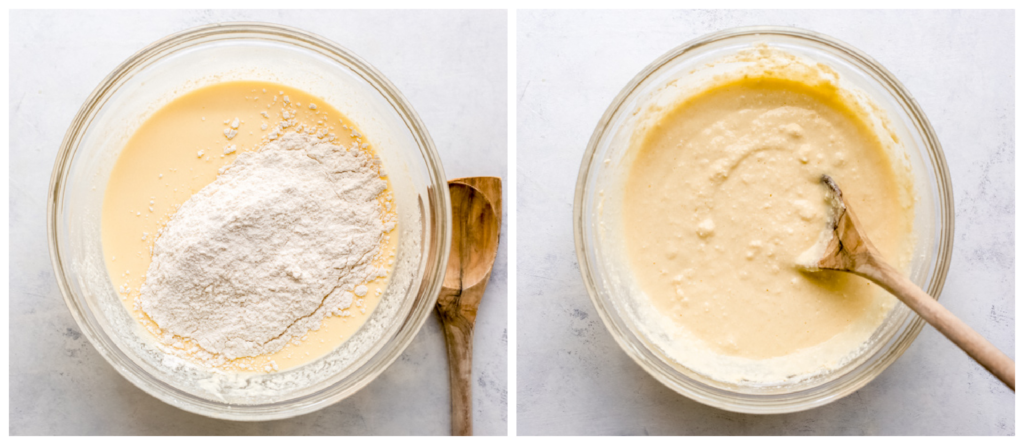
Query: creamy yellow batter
[
  {"x": 724, "y": 194},
  {"x": 178, "y": 151}
]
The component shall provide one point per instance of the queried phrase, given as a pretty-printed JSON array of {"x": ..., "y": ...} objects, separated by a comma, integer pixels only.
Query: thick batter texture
[{"x": 724, "y": 195}]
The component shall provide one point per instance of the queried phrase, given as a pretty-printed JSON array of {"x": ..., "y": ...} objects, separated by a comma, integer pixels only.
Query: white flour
[{"x": 281, "y": 239}]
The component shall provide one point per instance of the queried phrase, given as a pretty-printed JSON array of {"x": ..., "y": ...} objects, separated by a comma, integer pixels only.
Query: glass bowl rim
[
  {"x": 932, "y": 150},
  {"x": 430, "y": 285}
]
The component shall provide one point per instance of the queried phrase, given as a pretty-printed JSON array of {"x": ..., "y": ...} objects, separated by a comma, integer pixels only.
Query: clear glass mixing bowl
[
  {"x": 248, "y": 51},
  {"x": 685, "y": 65}
]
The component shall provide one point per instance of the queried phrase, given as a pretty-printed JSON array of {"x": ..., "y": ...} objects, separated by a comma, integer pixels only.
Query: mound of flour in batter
[{"x": 278, "y": 241}]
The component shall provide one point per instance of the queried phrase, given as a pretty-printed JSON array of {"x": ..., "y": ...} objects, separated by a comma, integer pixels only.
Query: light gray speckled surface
[
  {"x": 574, "y": 379},
  {"x": 451, "y": 65}
]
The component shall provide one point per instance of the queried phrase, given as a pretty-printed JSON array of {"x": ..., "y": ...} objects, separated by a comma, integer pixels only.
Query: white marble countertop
[
  {"x": 574, "y": 379},
  {"x": 451, "y": 65}
]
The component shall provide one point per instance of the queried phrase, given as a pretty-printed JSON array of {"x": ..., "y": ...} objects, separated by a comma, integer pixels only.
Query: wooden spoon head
[
  {"x": 474, "y": 248},
  {"x": 490, "y": 186},
  {"x": 842, "y": 246}
]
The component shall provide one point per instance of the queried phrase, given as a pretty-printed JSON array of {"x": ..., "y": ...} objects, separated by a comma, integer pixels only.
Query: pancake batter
[
  {"x": 177, "y": 152},
  {"x": 723, "y": 195}
]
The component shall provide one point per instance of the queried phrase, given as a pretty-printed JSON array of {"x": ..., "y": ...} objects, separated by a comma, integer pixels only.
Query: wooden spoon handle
[
  {"x": 458, "y": 335},
  {"x": 976, "y": 346}
]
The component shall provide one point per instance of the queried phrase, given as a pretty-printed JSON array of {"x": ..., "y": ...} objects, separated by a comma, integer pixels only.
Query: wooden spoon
[
  {"x": 849, "y": 250},
  {"x": 476, "y": 221}
]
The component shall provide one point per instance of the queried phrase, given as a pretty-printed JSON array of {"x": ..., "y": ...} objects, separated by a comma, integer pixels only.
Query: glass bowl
[
  {"x": 691, "y": 64},
  {"x": 247, "y": 51}
]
